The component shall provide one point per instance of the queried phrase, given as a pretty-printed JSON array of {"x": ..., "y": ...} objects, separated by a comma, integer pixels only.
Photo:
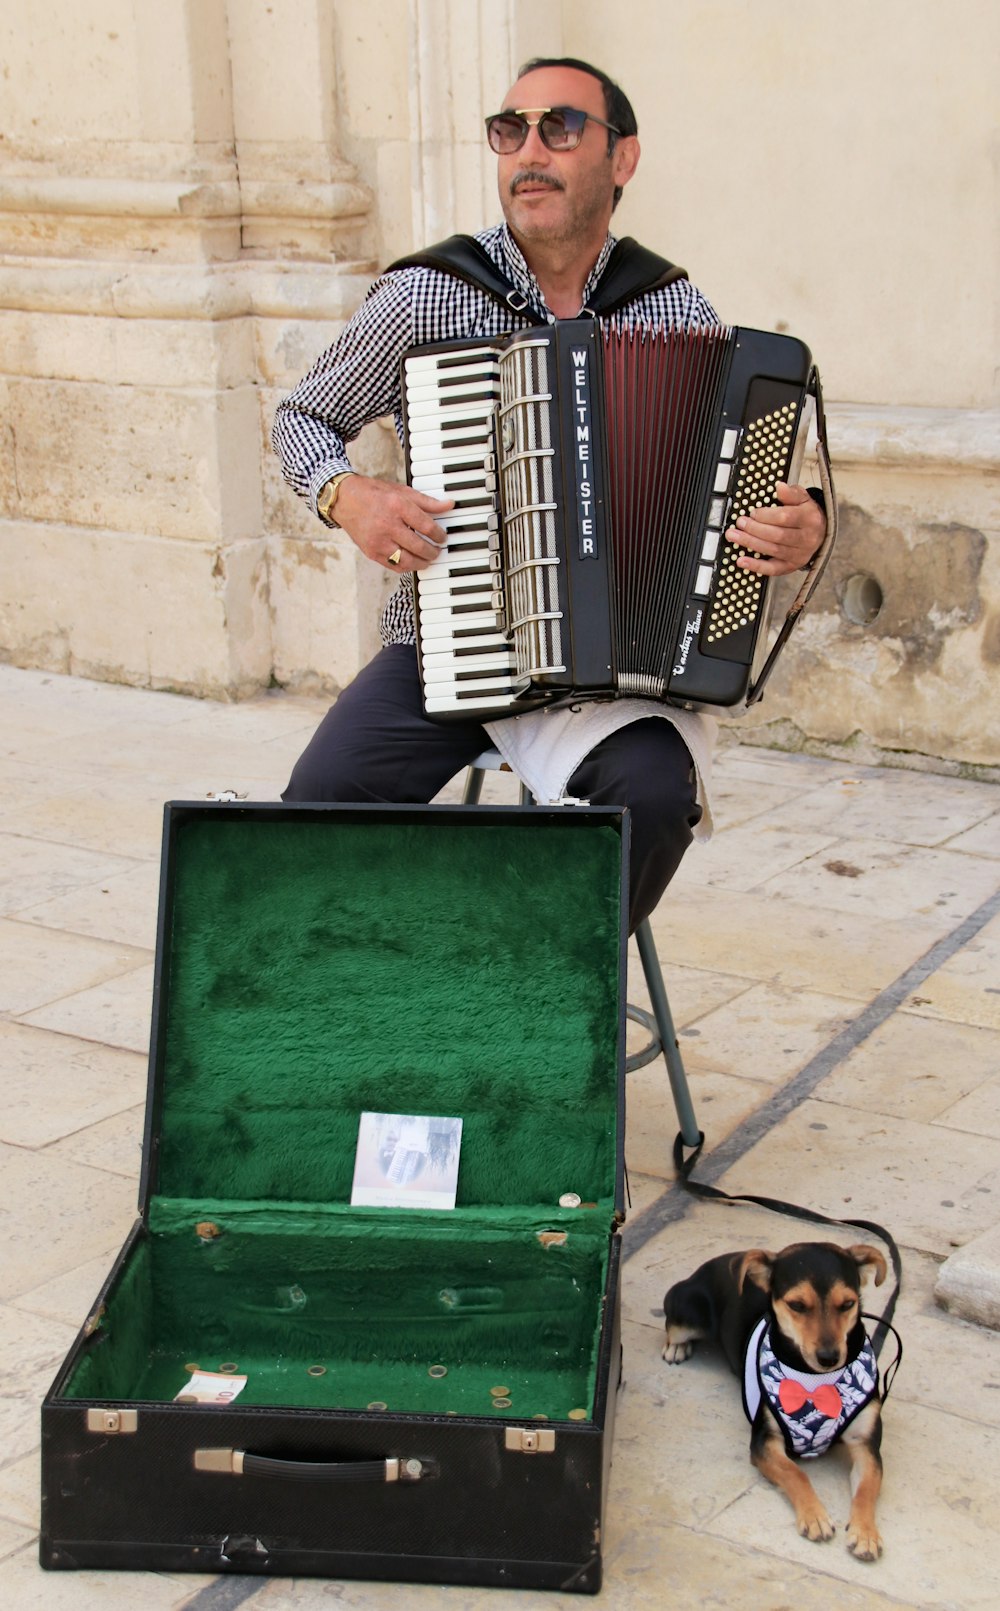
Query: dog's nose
[{"x": 827, "y": 1358}]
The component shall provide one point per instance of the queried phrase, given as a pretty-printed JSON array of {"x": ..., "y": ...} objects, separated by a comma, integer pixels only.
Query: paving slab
[{"x": 821, "y": 1069}]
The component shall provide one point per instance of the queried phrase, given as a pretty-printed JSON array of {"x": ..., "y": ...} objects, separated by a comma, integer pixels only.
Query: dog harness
[{"x": 812, "y": 1410}]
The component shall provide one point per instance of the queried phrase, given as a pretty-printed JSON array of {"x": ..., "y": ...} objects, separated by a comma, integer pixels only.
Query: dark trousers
[{"x": 376, "y": 744}]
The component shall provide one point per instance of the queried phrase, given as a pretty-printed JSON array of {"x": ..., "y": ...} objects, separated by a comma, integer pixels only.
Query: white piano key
[
  {"x": 482, "y": 702},
  {"x": 472, "y": 641},
  {"x": 730, "y": 438},
  {"x": 722, "y": 474},
  {"x": 421, "y": 410},
  {"x": 442, "y": 625},
  {"x": 710, "y": 547},
  {"x": 494, "y": 664},
  {"x": 481, "y": 359}
]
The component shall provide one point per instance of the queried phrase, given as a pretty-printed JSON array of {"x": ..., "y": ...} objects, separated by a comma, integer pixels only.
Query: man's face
[{"x": 562, "y": 196}]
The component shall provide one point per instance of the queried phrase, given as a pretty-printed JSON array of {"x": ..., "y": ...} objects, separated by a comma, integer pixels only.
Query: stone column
[{"x": 172, "y": 202}]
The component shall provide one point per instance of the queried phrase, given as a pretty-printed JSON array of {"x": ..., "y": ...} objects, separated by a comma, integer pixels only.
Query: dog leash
[{"x": 701, "y": 1188}]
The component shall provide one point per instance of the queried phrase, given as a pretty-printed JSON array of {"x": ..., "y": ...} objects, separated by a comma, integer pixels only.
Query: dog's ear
[
  {"x": 755, "y": 1264},
  {"x": 869, "y": 1258}
]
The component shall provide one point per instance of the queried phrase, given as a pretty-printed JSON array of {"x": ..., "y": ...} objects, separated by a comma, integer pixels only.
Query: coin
[
  {"x": 570, "y": 1199},
  {"x": 499, "y": 1392},
  {"x": 437, "y": 1371},
  {"x": 502, "y": 1403},
  {"x": 578, "y": 1415}
]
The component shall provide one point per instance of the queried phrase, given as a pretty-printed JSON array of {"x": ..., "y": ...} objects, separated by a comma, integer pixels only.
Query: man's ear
[
  {"x": 625, "y": 158},
  {"x": 755, "y": 1266}
]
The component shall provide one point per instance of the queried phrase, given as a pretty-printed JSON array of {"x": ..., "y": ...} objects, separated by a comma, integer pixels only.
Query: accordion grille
[
  {"x": 532, "y": 601},
  {"x": 662, "y": 393}
]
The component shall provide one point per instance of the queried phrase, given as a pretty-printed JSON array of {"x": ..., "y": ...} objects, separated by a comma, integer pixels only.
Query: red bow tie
[{"x": 792, "y": 1396}]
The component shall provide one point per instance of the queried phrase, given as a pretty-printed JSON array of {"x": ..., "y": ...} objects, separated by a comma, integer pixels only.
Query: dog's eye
[
  {"x": 847, "y": 1305},
  {"x": 797, "y": 1306}
]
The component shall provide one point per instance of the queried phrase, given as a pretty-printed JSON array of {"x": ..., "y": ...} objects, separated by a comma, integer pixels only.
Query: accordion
[{"x": 594, "y": 469}]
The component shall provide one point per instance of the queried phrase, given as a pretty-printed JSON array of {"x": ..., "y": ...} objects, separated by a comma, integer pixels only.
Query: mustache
[{"x": 529, "y": 176}]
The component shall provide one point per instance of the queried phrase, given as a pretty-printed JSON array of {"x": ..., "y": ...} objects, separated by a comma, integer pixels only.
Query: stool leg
[
  {"x": 668, "y": 1035},
  {"x": 473, "y": 785}
]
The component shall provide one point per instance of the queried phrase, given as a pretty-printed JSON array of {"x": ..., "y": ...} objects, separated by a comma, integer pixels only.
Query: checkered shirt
[{"x": 357, "y": 379}]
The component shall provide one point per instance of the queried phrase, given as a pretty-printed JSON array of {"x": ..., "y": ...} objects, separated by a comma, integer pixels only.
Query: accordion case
[{"x": 421, "y": 1394}]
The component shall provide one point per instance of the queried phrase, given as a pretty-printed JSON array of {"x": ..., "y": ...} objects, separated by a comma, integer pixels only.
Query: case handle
[{"x": 237, "y": 1463}]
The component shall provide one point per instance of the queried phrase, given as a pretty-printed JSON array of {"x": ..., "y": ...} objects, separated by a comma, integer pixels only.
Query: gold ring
[{"x": 395, "y": 557}]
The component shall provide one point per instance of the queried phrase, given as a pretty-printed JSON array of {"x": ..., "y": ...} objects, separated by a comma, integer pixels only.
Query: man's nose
[{"x": 534, "y": 151}]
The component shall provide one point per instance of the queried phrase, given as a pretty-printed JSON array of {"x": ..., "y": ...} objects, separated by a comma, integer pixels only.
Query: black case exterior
[
  {"x": 485, "y": 1514},
  {"x": 492, "y": 1506}
]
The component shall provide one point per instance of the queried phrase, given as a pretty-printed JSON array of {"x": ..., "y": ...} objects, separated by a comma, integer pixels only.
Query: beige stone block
[
  {"x": 720, "y": 1101},
  {"x": 768, "y": 1033},
  {"x": 70, "y": 1297},
  {"x": 113, "y": 1144},
  {"x": 116, "y": 1012},
  {"x": 56, "y": 1086},
  {"x": 178, "y": 466},
  {"x": 111, "y": 812},
  {"x": 184, "y": 615},
  {"x": 286, "y": 349},
  {"x": 968, "y": 1284},
  {"x": 979, "y": 1112},
  {"x": 84, "y": 1209},
  {"x": 983, "y": 840},
  {"x": 20, "y": 1484},
  {"x": 964, "y": 989},
  {"x": 32, "y": 870},
  {"x": 88, "y": 235},
  {"x": 31, "y": 1348},
  {"x": 22, "y": 1584},
  {"x": 325, "y": 600},
  {"x": 875, "y": 803},
  {"x": 947, "y": 1361},
  {"x": 922, "y": 1068},
  {"x": 938, "y": 886},
  {"x": 933, "y": 1188},
  {"x": 949, "y": 1565},
  {"x": 795, "y": 946},
  {"x": 129, "y": 352},
  {"x": 42, "y": 965},
  {"x": 121, "y": 908}
]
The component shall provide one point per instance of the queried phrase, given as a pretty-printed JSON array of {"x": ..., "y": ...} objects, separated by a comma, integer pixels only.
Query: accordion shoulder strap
[{"x": 630, "y": 272}]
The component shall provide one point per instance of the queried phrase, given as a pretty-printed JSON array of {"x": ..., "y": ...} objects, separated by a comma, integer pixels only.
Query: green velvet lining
[
  {"x": 444, "y": 963},
  {"x": 370, "y": 1302},
  {"x": 318, "y": 963}
]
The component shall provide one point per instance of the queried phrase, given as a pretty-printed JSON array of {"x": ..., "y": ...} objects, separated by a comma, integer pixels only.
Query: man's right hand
[{"x": 384, "y": 518}]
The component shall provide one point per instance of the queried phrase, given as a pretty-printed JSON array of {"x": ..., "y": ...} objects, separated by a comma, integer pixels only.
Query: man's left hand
[{"x": 785, "y": 537}]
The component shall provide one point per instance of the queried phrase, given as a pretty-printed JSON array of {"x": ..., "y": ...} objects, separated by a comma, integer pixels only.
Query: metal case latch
[
  {"x": 112, "y": 1422},
  {"x": 529, "y": 1439}
]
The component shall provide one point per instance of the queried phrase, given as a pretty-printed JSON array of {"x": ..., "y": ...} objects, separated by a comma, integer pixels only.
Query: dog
[{"x": 790, "y": 1324}]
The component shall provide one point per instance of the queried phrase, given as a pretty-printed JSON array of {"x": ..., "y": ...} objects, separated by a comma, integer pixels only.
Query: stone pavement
[{"x": 833, "y": 960}]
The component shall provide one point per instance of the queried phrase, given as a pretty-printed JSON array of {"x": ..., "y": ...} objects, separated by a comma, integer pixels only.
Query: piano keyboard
[{"x": 450, "y": 400}]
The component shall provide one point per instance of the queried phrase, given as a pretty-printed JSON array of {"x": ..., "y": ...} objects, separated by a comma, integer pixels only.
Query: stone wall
[{"x": 194, "y": 195}]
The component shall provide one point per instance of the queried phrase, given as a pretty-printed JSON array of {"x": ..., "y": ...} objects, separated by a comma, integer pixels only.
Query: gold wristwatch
[{"x": 328, "y": 495}]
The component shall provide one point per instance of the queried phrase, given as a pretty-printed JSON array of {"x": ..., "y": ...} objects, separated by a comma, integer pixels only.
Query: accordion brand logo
[
  {"x": 583, "y": 453},
  {"x": 692, "y": 626}
]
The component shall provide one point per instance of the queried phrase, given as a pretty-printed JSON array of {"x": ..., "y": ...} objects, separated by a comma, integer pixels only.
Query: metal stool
[{"x": 659, "y": 1023}]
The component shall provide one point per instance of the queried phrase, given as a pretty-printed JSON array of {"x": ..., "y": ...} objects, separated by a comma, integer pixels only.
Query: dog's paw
[
  {"x": 675, "y": 1353},
  {"x": 813, "y": 1523},
  {"x": 864, "y": 1541}
]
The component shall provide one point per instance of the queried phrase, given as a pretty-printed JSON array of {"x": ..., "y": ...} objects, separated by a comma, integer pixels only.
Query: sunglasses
[{"x": 560, "y": 128}]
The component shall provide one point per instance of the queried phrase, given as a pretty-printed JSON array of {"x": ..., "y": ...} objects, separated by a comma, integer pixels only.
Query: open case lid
[{"x": 317, "y": 962}]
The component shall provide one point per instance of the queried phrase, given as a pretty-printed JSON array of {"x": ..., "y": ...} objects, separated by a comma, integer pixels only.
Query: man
[{"x": 559, "y": 181}]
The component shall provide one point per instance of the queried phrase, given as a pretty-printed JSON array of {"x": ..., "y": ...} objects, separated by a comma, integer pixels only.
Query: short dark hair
[{"x": 617, "y": 106}]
